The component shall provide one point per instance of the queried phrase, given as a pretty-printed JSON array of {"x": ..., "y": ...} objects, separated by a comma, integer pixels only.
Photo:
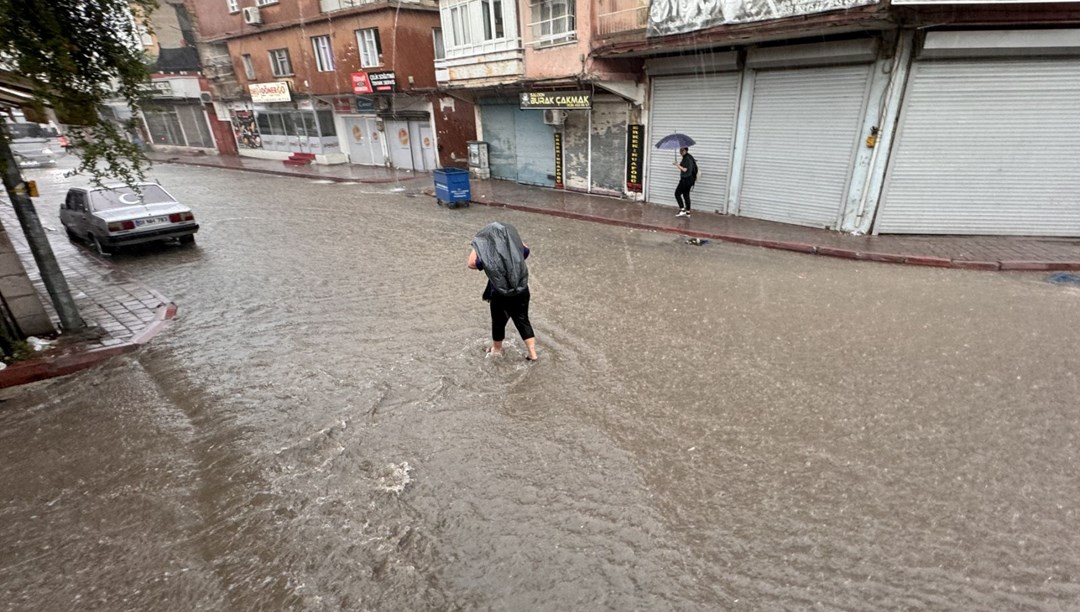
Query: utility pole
[{"x": 54, "y": 280}]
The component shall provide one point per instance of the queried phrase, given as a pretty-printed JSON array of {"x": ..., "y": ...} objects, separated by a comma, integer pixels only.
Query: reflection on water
[{"x": 706, "y": 427}]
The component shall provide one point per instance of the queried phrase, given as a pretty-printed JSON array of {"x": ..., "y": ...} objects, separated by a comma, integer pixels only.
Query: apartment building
[
  {"x": 337, "y": 81},
  {"x": 180, "y": 116},
  {"x": 865, "y": 116},
  {"x": 552, "y": 114}
]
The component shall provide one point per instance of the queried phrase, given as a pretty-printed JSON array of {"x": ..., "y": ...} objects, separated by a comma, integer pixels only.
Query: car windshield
[{"x": 119, "y": 197}]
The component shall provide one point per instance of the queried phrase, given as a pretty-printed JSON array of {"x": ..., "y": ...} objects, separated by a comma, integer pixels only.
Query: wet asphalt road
[{"x": 708, "y": 427}]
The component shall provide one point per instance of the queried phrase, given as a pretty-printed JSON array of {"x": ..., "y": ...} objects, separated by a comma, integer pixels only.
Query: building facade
[
  {"x": 180, "y": 116},
  {"x": 336, "y": 81},
  {"x": 863, "y": 116}
]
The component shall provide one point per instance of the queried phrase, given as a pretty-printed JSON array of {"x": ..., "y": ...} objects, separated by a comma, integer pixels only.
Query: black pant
[
  {"x": 682, "y": 193},
  {"x": 505, "y": 308}
]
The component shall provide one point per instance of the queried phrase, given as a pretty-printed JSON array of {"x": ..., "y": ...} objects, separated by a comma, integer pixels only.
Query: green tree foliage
[{"x": 78, "y": 54}]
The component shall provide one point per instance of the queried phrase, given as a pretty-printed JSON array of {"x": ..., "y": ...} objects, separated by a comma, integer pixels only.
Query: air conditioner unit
[
  {"x": 204, "y": 97},
  {"x": 251, "y": 15},
  {"x": 554, "y": 117}
]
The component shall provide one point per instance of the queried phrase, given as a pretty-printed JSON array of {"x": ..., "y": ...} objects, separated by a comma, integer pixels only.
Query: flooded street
[{"x": 707, "y": 427}]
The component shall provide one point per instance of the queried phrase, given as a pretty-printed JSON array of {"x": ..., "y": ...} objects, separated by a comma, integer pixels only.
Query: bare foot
[{"x": 492, "y": 350}]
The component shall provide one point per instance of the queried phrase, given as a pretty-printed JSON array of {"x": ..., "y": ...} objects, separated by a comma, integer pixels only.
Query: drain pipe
[{"x": 877, "y": 136}]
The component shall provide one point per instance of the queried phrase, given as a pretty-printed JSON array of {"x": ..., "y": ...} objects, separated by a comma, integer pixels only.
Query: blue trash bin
[{"x": 452, "y": 187}]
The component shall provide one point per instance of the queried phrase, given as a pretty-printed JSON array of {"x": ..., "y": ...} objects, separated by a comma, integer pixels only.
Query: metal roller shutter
[
  {"x": 497, "y": 121},
  {"x": 703, "y": 107},
  {"x": 804, "y": 129},
  {"x": 535, "y": 148},
  {"x": 987, "y": 147}
]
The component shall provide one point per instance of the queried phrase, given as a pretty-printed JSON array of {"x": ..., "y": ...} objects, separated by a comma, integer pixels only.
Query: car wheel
[
  {"x": 186, "y": 240},
  {"x": 101, "y": 248}
]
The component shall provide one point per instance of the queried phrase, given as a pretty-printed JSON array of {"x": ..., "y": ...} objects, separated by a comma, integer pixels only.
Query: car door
[{"x": 79, "y": 212}]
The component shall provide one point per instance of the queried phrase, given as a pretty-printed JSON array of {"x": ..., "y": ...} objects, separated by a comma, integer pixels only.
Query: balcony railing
[{"x": 614, "y": 16}]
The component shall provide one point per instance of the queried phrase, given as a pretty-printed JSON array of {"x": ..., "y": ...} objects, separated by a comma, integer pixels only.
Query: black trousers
[
  {"x": 682, "y": 193},
  {"x": 504, "y": 309}
]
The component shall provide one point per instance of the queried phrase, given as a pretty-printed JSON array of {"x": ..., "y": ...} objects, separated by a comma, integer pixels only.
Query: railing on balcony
[{"x": 614, "y": 16}]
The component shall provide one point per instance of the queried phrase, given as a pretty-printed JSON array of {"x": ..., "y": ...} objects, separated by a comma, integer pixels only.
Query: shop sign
[
  {"x": 371, "y": 82},
  {"x": 365, "y": 104},
  {"x": 565, "y": 100},
  {"x": 635, "y": 155},
  {"x": 681, "y": 16},
  {"x": 383, "y": 81},
  {"x": 343, "y": 105},
  {"x": 305, "y": 105},
  {"x": 274, "y": 91},
  {"x": 558, "y": 161},
  {"x": 360, "y": 83}
]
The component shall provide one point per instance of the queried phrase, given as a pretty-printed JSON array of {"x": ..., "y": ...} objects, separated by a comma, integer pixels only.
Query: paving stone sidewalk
[
  {"x": 120, "y": 314},
  {"x": 968, "y": 252}
]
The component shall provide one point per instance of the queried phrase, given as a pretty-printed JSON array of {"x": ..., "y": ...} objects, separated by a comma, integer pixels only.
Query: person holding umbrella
[
  {"x": 688, "y": 169},
  {"x": 687, "y": 177}
]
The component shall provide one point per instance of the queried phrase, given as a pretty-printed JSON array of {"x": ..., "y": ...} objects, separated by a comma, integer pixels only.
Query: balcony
[{"x": 619, "y": 16}]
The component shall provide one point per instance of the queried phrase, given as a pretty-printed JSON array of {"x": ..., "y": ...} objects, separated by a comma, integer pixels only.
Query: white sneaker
[{"x": 681, "y": 213}]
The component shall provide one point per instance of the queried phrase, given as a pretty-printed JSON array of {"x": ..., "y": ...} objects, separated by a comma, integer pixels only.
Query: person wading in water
[{"x": 499, "y": 252}]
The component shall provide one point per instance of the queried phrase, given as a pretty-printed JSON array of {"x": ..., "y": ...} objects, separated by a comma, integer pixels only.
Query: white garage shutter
[
  {"x": 805, "y": 125},
  {"x": 987, "y": 146},
  {"x": 704, "y": 108}
]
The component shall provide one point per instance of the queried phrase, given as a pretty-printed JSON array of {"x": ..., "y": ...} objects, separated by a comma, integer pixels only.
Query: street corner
[{"x": 65, "y": 354}]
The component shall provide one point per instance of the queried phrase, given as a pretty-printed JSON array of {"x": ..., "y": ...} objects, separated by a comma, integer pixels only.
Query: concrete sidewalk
[
  {"x": 968, "y": 252},
  {"x": 120, "y": 314}
]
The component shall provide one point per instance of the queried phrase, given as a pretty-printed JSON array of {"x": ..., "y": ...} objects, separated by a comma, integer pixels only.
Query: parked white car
[{"x": 114, "y": 216}]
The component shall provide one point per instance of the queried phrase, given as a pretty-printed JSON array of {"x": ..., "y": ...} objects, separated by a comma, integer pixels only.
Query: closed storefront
[
  {"x": 520, "y": 145},
  {"x": 988, "y": 139},
  {"x": 364, "y": 140},
  {"x": 287, "y": 129},
  {"x": 410, "y": 143},
  {"x": 805, "y": 124},
  {"x": 181, "y": 125},
  {"x": 595, "y": 146},
  {"x": 703, "y": 107}
]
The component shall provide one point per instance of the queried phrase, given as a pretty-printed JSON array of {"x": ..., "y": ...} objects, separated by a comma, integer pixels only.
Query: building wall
[{"x": 408, "y": 51}]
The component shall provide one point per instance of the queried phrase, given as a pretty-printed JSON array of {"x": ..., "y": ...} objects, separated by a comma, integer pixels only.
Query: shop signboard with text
[
  {"x": 374, "y": 82},
  {"x": 556, "y": 100},
  {"x": 274, "y": 91}
]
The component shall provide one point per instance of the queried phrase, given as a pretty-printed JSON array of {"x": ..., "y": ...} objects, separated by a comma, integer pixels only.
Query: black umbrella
[{"x": 675, "y": 142}]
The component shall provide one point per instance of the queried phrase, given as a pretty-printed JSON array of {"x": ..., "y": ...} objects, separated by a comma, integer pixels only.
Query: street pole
[{"x": 54, "y": 280}]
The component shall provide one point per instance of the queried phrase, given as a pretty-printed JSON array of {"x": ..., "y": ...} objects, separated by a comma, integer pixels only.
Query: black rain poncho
[{"x": 500, "y": 248}]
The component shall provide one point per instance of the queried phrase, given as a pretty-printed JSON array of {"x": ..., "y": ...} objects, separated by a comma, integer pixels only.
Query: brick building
[{"x": 336, "y": 81}]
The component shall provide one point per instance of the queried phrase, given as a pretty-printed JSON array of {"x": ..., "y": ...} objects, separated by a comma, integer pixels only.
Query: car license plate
[{"x": 151, "y": 221}]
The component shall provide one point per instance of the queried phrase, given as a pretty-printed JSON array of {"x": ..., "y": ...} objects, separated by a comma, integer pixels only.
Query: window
[
  {"x": 553, "y": 21},
  {"x": 265, "y": 2},
  {"x": 324, "y": 54},
  {"x": 249, "y": 68},
  {"x": 440, "y": 50},
  {"x": 234, "y": 6},
  {"x": 492, "y": 14},
  {"x": 370, "y": 47},
  {"x": 279, "y": 62},
  {"x": 459, "y": 26}
]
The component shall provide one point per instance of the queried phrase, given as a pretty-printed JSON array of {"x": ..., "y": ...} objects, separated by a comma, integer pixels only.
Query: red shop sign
[{"x": 360, "y": 83}]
